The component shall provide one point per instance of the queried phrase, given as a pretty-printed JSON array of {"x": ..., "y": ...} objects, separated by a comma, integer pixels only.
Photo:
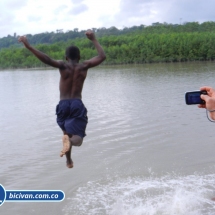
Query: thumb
[{"x": 204, "y": 97}]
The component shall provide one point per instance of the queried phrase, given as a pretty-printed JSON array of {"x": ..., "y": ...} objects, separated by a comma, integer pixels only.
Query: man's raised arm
[
  {"x": 40, "y": 55},
  {"x": 95, "y": 61}
]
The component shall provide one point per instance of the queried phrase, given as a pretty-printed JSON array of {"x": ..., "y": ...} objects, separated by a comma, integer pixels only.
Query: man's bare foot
[
  {"x": 69, "y": 163},
  {"x": 66, "y": 145}
]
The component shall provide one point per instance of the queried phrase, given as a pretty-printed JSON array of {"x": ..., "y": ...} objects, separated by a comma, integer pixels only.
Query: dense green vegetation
[{"x": 138, "y": 44}]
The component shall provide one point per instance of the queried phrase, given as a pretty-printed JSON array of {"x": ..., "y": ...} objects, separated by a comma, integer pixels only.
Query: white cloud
[
  {"x": 41, "y": 16},
  {"x": 81, "y": 8},
  {"x": 30, "y": 16}
]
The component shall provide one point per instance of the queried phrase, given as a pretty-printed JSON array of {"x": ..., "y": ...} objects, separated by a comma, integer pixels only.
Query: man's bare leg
[
  {"x": 66, "y": 145},
  {"x": 73, "y": 140},
  {"x": 69, "y": 162},
  {"x": 67, "y": 148},
  {"x": 68, "y": 142}
]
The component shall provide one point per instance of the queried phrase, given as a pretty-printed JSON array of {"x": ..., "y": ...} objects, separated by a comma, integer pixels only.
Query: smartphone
[{"x": 193, "y": 98}]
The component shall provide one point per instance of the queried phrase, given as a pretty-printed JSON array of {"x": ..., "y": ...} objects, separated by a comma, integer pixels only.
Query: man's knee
[{"x": 76, "y": 140}]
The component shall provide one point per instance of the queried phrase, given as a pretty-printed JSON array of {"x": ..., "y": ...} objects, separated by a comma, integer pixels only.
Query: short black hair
[{"x": 73, "y": 52}]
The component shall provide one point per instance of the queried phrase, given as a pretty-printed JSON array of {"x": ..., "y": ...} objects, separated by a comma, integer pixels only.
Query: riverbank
[{"x": 110, "y": 65}]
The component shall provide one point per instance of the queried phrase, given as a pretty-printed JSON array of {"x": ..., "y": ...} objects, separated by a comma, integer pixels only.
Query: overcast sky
[{"x": 37, "y": 16}]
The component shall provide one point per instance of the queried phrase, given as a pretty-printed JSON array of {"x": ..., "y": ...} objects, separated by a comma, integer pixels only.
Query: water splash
[{"x": 167, "y": 195}]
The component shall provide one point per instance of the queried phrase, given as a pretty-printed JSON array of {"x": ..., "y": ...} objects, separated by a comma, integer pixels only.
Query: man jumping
[{"x": 71, "y": 112}]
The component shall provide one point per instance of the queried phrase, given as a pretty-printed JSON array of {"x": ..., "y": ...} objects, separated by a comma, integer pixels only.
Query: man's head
[{"x": 73, "y": 53}]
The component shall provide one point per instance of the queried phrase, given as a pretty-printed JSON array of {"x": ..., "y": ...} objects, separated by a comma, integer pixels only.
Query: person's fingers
[
  {"x": 206, "y": 88},
  {"x": 204, "y": 97},
  {"x": 88, "y": 31},
  {"x": 87, "y": 34},
  {"x": 201, "y": 106}
]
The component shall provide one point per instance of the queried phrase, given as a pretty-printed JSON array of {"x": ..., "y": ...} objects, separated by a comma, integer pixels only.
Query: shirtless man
[{"x": 71, "y": 112}]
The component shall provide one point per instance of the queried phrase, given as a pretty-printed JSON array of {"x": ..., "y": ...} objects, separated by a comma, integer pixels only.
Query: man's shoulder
[
  {"x": 84, "y": 65},
  {"x": 74, "y": 67},
  {"x": 79, "y": 67},
  {"x": 62, "y": 64}
]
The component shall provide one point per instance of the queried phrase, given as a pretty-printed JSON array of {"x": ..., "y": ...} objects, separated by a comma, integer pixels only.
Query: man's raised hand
[
  {"x": 90, "y": 35},
  {"x": 23, "y": 39}
]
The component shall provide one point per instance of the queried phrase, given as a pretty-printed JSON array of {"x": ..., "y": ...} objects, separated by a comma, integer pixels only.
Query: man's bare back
[
  {"x": 71, "y": 112},
  {"x": 72, "y": 81}
]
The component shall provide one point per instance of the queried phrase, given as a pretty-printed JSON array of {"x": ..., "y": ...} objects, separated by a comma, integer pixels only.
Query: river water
[{"x": 146, "y": 152}]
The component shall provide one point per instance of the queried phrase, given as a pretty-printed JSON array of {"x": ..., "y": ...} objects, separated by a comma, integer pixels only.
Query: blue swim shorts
[{"x": 72, "y": 116}]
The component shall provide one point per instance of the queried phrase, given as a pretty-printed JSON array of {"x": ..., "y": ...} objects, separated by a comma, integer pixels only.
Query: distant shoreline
[{"x": 108, "y": 65}]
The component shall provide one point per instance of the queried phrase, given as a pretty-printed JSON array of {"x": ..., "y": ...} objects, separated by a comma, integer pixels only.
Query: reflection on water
[{"x": 138, "y": 121}]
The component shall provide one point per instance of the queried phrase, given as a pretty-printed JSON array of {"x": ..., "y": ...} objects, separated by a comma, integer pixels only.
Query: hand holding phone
[{"x": 193, "y": 98}]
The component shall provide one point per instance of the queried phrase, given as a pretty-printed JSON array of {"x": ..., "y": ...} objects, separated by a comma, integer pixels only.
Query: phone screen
[{"x": 193, "y": 98}]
